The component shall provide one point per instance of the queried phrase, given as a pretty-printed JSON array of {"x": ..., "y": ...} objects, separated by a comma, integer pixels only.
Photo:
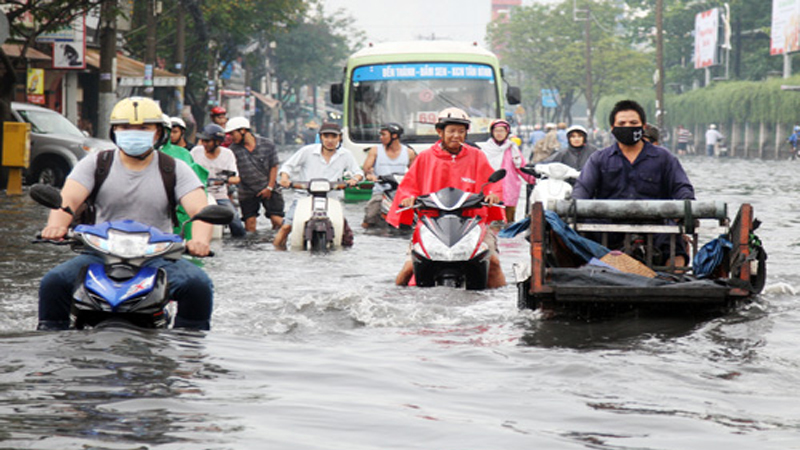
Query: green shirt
[{"x": 202, "y": 173}]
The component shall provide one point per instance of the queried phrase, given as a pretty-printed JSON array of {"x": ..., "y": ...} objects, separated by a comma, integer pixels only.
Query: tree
[
  {"x": 219, "y": 30},
  {"x": 546, "y": 43},
  {"x": 750, "y": 58},
  {"x": 312, "y": 52},
  {"x": 47, "y": 15}
]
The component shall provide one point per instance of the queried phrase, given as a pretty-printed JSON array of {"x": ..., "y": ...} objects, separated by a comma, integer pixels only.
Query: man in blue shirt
[
  {"x": 793, "y": 140},
  {"x": 537, "y": 135},
  {"x": 633, "y": 169}
]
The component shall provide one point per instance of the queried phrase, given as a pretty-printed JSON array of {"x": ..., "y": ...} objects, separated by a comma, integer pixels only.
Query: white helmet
[
  {"x": 178, "y": 122},
  {"x": 237, "y": 123},
  {"x": 577, "y": 128},
  {"x": 452, "y": 116},
  {"x": 712, "y": 126}
]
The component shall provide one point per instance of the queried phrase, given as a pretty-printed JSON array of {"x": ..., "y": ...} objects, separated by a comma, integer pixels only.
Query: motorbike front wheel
[
  {"x": 453, "y": 282},
  {"x": 319, "y": 242}
]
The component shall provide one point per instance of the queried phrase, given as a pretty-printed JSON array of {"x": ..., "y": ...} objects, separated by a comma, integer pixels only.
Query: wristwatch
[{"x": 269, "y": 188}]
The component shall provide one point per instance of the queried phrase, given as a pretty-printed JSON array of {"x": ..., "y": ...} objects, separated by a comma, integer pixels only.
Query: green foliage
[
  {"x": 741, "y": 101},
  {"x": 750, "y": 22},
  {"x": 545, "y": 42},
  {"x": 722, "y": 102},
  {"x": 49, "y": 15},
  {"x": 312, "y": 52}
]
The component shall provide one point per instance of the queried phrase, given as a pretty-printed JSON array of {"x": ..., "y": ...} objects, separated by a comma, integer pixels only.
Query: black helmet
[
  {"x": 393, "y": 128},
  {"x": 211, "y": 132},
  {"x": 330, "y": 128}
]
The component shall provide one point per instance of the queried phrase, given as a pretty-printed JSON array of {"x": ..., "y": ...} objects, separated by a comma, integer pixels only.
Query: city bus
[{"x": 410, "y": 82}]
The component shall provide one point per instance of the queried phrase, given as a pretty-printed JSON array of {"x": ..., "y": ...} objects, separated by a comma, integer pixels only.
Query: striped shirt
[{"x": 254, "y": 166}]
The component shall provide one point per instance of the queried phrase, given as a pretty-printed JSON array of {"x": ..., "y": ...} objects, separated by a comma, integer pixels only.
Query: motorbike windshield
[{"x": 413, "y": 94}]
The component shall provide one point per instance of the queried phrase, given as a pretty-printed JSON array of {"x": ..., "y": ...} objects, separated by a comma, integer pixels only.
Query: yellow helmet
[{"x": 136, "y": 111}]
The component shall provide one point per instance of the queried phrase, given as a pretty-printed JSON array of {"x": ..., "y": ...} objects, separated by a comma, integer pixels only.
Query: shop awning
[
  {"x": 269, "y": 101},
  {"x": 14, "y": 50},
  {"x": 131, "y": 72}
]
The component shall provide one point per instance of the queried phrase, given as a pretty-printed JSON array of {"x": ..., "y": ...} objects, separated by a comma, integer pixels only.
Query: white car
[{"x": 56, "y": 144}]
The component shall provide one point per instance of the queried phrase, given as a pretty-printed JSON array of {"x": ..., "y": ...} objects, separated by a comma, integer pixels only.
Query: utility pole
[
  {"x": 660, "y": 65},
  {"x": 588, "y": 37},
  {"x": 180, "y": 48},
  {"x": 150, "y": 47},
  {"x": 589, "y": 104},
  {"x": 108, "y": 63}
]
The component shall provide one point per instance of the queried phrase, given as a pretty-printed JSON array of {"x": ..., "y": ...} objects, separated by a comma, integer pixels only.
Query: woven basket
[{"x": 625, "y": 263}]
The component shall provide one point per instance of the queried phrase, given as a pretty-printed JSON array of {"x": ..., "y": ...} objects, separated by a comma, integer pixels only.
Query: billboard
[
  {"x": 706, "y": 39},
  {"x": 71, "y": 54},
  {"x": 785, "y": 35},
  {"x": 34, "y": 88}
]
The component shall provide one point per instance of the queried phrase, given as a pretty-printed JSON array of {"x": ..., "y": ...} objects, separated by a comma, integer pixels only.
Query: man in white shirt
[
  {"x": 324, "y": 160},
  {"x": 221, "y": 165},
  {"x": 713, "y": 138}
]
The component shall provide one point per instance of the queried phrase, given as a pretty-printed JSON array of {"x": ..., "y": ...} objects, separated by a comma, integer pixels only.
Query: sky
[{"x": 403, "y": 20}]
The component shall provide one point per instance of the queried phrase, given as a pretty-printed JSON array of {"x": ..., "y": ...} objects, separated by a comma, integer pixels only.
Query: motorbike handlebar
[
  {"x": 210, "y": 254},
  {"x": 530, "y": 170},
  {"x": 68, "y": 239},
  {"x": 39, "y": 240},
  {"x": 304, "y": 185}
]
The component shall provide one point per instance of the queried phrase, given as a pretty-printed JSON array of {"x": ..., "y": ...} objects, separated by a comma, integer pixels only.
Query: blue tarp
[
  {"x": 581, "y": 246},
  {"x": 710, "y": 256}
]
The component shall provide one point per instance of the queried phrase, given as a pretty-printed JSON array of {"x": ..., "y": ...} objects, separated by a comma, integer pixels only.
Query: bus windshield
[{"x": 413, "y": 94}]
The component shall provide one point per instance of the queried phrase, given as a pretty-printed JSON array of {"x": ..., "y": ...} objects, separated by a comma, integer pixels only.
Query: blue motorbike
[{"x": 123, "y": 290}]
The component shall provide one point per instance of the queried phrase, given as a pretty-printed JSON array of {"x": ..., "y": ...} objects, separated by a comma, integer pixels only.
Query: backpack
[{"x": 87, "y": 213}]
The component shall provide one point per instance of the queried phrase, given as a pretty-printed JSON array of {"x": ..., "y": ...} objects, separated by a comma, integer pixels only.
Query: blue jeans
[
  {"x": 236, "y": 225},
  {"x": 188, "y": 285},
  {"x": 710, "y": 149}
]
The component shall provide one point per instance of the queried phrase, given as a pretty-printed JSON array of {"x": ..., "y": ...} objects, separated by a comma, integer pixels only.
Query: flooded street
[{"x": 324, "y": 352}]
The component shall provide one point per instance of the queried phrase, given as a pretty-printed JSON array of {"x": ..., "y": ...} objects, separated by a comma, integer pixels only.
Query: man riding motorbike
[
  {"x": 386, "y": 158},
  {"x": 450, "y": 163},
  {"x": 133, "y": 189}
]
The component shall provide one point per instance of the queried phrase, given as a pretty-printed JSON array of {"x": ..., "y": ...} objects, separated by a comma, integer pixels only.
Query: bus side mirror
[
  {"x": 513, "y": 95},
  {"x": 337, "y": 93}
]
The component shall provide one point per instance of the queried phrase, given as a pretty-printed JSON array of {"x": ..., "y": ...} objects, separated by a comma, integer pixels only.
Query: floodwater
[{"x": 324, "y": 352}]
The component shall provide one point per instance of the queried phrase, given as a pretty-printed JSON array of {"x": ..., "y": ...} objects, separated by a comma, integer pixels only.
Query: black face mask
[{"x": 628, "y": 135}]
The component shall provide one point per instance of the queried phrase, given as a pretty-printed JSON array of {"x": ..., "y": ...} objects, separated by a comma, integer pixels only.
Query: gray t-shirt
[{"x": 140, "y": 196}]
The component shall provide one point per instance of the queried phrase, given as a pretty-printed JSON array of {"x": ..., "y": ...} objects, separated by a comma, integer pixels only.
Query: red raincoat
[{"x": 436, "y": 169}]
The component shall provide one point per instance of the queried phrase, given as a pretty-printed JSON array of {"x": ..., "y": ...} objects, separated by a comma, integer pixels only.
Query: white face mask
[{"x": 134, "y": 142}]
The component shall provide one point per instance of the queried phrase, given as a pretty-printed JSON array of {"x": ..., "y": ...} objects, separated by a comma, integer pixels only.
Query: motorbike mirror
[
  {"x": 494, "y": 178},
  {"x": 46, "y": 195},
  {"x": 215, "y": 215},
  {"x": 497, "y": 176}
]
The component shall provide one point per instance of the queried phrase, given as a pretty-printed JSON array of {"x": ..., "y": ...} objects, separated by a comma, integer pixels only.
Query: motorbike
[
  {"x": 552, "y": 182},
  {"x": 390, "y": 184},
  {"x": 122, "y": 291},
  {"x": 221, "y": 178},
  {"x": 318, "y": 224},
  {"x": 448, "y": 248}
]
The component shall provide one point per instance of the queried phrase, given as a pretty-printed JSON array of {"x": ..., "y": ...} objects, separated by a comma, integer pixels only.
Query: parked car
[{"x": 56, "y": 144}]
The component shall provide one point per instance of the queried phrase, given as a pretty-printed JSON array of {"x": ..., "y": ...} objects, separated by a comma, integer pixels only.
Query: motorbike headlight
[
  {"x": 319, "y": 186},
  {"x": 126, "y": 245},
  {"x": 460, "y": 251}
]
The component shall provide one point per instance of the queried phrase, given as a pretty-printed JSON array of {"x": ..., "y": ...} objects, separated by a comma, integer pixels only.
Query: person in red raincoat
[{"x": 450, "y": 163}]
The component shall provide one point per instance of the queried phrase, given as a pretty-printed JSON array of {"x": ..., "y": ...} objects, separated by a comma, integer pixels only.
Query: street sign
[{"x": 550, "y": 98}]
